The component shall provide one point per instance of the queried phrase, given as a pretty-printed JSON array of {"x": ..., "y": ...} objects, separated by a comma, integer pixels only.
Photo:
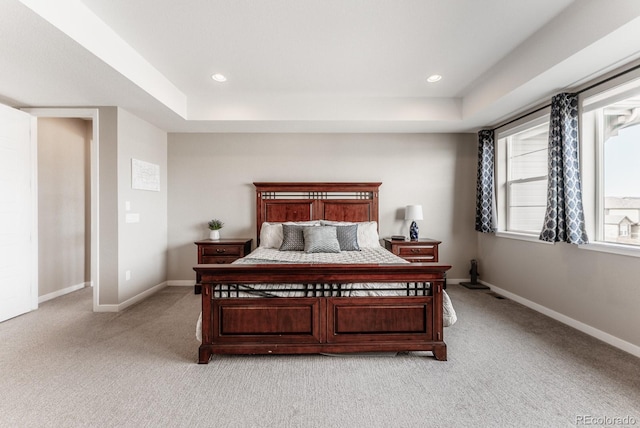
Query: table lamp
[{"x": 413, "y": 213}]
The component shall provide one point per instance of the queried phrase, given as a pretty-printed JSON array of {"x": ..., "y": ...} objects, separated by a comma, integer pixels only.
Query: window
[
  {"x": 612, "y": 123},
  {"x": 522, "y": 155}
]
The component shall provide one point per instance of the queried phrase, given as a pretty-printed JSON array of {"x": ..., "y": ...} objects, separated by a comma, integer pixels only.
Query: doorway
[
  {"x": 77, "y": 119},
  {"x": 64, "y": 211}
]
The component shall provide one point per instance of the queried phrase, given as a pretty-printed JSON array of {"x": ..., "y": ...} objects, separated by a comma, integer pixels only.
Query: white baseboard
[
  {"x": 131, "y": 301},
  {"x": 105, "y": 308},
  {"x": 578, "y": 325},
  {"x": 140, "y": 297},
  {"x": 62, "y": 292},
  {"x": 182, "y": 282}
]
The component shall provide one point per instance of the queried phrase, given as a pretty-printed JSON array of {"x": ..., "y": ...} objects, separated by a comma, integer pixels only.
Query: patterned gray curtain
[
  {"x": 485, "y": 207},
  {"x": 564, "y": 218}
]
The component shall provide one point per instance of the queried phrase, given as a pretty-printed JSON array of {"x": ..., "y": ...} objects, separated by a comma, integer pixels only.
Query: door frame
[{"x": 89, "y": 114}]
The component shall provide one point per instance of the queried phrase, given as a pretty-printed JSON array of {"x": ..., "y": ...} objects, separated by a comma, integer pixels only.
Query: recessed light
[
  {"x": 434, "y": 78},
  {"x": 219, "y": 77}
]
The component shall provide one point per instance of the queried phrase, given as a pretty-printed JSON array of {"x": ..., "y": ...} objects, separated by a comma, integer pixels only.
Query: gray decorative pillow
[
  {"x": 348, "y": 237},
  {"x": 321, "y": 240},
  {"x": 293, "y": 238},
  {"x": 367, "y": 232}
]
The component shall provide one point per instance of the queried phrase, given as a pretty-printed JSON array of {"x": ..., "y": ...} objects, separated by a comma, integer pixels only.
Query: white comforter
[{"x": 365, "y": 255}]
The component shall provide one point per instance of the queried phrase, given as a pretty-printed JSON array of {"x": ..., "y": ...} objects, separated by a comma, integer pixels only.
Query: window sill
[
  {"x": 522, "y": 237},
  {"x": 623, "y": 250}
]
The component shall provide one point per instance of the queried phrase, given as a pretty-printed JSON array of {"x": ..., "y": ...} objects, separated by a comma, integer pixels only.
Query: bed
[{"x": 283, "y": 300}]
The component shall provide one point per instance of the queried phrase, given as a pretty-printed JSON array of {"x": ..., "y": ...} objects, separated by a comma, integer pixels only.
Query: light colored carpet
[{"x": 64, "y": 366}]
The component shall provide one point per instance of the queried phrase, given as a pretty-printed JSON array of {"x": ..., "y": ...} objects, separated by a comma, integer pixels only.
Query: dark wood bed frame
[{"x": 302, "y": 325}]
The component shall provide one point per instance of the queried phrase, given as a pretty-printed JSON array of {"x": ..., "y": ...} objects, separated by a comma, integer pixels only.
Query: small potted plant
[{"x": 214, "y": 226}]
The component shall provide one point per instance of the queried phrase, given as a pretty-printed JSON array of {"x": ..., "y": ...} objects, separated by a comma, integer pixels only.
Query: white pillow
[
  {"x": 367, "y": 232},
  {"x": 304, "y": 223},
  {"x": 271, "y": 235}
]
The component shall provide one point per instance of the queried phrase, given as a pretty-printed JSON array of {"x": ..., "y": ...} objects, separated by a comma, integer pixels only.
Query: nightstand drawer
[
  {"x": 420, "y": 259},
  {"x": 222, "y": 250},
  {"x": 423, "y": 250},
  {"x": 218, "y": 260},
  {"x": 426, "y": 251}
]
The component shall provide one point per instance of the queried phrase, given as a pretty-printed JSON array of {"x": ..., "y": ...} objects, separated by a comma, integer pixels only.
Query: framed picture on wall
[{"x": 145, "y": 175}]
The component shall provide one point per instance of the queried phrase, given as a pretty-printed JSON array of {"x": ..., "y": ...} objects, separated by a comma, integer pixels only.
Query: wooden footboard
[{"x": 331, "y": 324}]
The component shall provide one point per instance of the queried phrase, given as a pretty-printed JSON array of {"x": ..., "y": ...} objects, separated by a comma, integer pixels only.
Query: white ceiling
[{"x": 309, "y": 65}]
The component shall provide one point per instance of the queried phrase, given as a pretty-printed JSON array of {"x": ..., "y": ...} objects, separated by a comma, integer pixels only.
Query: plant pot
[{"x": 214, "y": 234}]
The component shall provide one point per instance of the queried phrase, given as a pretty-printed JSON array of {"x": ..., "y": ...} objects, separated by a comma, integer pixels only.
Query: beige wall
[
  {"x": 596, "y": 289},
  {"x": 63, "y": 200},
  {"x": 138, "y": 247},
  {"x": 211, "y": 175},
  {"x": 142, "y": 246}
]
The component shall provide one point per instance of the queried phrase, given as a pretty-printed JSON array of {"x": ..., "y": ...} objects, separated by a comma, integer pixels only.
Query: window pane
[
  {"x": 526, "y": 178},
  {"x": 527, "y": 204},
  {"x": 526, "y": 219},
  {"x": 621, "y": 151},
  {"x": 529, "y": 194},
  {"x": 532, "y": 164},
  {"x": 528, "y": 153}
]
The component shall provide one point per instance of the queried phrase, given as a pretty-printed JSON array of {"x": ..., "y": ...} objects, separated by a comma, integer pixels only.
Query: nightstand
[
  {"x": 220, "y": 251},
  {"x": 421, "y": 250}
]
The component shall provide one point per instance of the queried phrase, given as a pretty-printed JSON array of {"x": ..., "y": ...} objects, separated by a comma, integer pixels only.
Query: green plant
[{"x": 215, "y": 224}]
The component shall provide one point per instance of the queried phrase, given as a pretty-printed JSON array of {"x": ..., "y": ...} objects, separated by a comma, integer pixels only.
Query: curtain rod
[{"x": 594, "y": 85}]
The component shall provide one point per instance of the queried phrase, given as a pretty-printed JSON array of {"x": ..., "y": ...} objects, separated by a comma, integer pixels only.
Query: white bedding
[{"x": 366, "y": 255}]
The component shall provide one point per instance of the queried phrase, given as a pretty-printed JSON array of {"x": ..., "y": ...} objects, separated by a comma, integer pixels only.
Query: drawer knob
[
  {"x": 415, "y": 250},
  {"x": 220, "y": 250}
]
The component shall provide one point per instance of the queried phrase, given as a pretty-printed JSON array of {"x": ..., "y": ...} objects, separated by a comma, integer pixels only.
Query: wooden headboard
[{"x": 280, "y": 202}]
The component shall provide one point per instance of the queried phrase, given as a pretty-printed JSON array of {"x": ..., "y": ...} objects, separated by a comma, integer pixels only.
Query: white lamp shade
[{"x": 413, "y": 212}]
